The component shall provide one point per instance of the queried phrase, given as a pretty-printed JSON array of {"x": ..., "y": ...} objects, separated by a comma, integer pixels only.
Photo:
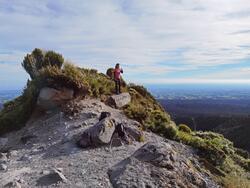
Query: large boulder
[
  {"x": 110, "y": 130},
  {"x": 120, "y": 100},
  {"x": 157, "y": 164},
  {"x": 50, "y": 98},
  {"x": 101, "y": 133}
]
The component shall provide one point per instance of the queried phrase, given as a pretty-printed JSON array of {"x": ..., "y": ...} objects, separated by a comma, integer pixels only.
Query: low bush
[
  {"x": 39, "y": 59},
  {"x": 16, "y": 112},
  {"x": 184, "y": 128}
]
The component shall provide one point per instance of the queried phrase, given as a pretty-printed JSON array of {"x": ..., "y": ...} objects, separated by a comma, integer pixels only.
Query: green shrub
[
  {"x": 39, "y": 59},
  {"x": 170, "y": 131},
  {"x": 69, "y": 77},
  {"x": 184, "y": 128},
  {"x": 16, "y": 112},
  {"x": 135, "y": 112},
  {"x": 53, "y": 59}
]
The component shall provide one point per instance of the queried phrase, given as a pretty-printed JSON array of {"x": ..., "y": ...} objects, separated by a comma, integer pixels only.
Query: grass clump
[
  {"x": 146, "y": 110},
  {"x": 236, "y": 181},
  {"x": 184, "y": 128},
  {"x": 220, "y": 156},
  {"x": 69, "y": 76}
]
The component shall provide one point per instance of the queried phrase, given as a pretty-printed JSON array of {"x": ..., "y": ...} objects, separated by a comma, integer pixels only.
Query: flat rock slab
[
  {"x": 120, "y": 100},
  {"x": 157, "y": 164}
]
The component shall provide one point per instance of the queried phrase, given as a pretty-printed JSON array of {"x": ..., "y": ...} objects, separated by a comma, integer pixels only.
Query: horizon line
[{"x": 196, "y": 81}]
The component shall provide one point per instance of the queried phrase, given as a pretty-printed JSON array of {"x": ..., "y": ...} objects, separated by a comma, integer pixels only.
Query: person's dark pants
[{"x": 118, "y": 86}]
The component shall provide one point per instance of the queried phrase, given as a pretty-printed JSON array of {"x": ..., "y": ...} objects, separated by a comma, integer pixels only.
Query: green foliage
[
  {"x": 53, "y": 59},
  {"x": 236, "y": 181},
  {"x": 69, "y": 77},
  {"x": 39, "y": 59},
  {"x": 171, "y": 131},
  {"x": 145, "y": 109},
  {"x": 184, "y": 128},
  {"x": 110, "y": 73},
  {"x": 136, "y": 112},
  {"x": 15, "y": 113},
  {"x": 217, "y": 150},
  {"x": 100, "y": 84}
]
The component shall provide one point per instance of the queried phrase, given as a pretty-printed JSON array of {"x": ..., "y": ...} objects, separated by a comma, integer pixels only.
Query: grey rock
[
  {"x": 152, "y": 166},
  {"x": 120, "y": 100},
  {"x": 3, "y": 142},
  {"x": 13, "y": 184},
  {"x": 25, "y": 158},
  {"x": 3, "y": 167},
  {"x": 27, "y": 138},
  {"x": 3, "y": 157},
  {"x": 104, "y": 115},
  {"x": 12, "y": 153},
  {"x": 100, "y": 133},
  {"x": 53, "y": 177},
  {"x": 134, "y": 133},
  {"x": 20, "y": 180},
  {"x": 50, "y": 98}
]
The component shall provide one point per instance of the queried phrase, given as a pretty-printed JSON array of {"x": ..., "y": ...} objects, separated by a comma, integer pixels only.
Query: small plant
[
  {"x": 184, "y": 128},
  {"x": 170, "y": 131}
]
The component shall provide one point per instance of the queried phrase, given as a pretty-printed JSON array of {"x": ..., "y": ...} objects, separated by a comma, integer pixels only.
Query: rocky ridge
[{"x": 45, "y": 154}]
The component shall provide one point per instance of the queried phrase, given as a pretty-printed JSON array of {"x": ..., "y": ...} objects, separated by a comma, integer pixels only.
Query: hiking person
[{"x": 117, "y": 76}]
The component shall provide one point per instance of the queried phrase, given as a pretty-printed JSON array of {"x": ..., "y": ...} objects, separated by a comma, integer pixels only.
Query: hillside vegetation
[{"x": 47, "y": 68}]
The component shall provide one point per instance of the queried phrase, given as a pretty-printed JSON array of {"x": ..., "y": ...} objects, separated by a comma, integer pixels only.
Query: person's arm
[{"x": 121, "y": 70}]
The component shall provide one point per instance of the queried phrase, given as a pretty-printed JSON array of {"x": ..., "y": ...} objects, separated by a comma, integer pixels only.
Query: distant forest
[{"x": 229, "y": 117}]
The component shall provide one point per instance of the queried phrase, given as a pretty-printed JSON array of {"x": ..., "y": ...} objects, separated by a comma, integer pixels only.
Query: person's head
[{"x": 117, "y": 66}]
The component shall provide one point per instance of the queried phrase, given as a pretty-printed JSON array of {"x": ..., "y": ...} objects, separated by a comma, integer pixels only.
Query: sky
[{"x": 155, "y": 41}]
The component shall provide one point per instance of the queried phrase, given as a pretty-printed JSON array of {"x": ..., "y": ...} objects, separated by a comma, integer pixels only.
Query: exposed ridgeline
[{"x": 212, "y": 154}]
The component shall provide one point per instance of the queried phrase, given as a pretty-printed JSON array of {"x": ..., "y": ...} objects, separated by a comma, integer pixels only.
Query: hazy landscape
[
  {"x": 220, "y": 108},
  {"x": 6, "y": 95}
]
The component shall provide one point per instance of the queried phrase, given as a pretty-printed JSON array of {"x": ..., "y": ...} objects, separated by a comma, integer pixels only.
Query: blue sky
[{"x": 155, "y": 41}]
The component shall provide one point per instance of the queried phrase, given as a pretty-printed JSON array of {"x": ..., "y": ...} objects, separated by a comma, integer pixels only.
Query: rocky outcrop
[
  {"x": 157, "y": 164},
  {"x": 99, "y": 134},
  {"x": 107, "y": 130},
  {"x": 50, "y": 98},
  {"x": 49, "y": 142},
  {"x": 120, "y": 100}
]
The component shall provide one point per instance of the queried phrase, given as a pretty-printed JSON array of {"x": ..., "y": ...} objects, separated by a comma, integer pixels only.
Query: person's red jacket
[{"x": 117, "y": 73}]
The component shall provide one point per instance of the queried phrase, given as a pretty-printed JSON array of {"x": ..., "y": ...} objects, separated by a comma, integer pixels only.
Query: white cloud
[{"x": 190, "y": 34}]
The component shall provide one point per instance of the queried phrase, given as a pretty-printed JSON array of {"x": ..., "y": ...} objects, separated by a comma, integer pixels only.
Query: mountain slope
[
  {"x": 71, "y": 90},
  {"x": 49, "y": 142}
]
